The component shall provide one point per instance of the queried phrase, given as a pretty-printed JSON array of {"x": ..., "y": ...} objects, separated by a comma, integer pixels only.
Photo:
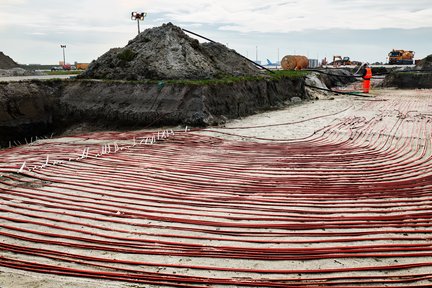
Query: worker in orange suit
[{"x": 367, "y": 76}]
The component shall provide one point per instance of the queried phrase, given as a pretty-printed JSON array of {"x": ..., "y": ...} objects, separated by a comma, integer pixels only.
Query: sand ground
[{"x": 363, "y": 123}]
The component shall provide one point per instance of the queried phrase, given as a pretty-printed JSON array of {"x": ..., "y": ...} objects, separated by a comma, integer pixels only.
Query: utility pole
[
  {"x": 64, "y": 57},
  {"x": 138, "y": 17},
  {"x": 256, "y": 54},
  {"x": 277, "y": 60}
]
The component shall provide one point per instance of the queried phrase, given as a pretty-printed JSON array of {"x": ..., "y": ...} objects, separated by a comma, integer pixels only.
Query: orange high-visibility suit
[{"x": 367, "y": 75}]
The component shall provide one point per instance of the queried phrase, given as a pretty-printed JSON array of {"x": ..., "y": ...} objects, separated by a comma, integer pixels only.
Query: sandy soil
[
  {"x": 366, "y": 125},
  {"x": 34, "y": 77}
]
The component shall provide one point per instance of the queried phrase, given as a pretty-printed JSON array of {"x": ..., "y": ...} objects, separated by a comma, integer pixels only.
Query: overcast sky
[{"x": 31, "y": 31}]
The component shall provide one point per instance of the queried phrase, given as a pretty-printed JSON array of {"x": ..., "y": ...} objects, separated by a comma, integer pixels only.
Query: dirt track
[
  {"x": 333, "y": 193},
  {"x": 34, "y": 77}
]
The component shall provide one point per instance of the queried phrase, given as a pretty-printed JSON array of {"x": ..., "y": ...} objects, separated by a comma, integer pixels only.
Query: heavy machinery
[
  {"x": 401, "y": 57},
  {"x": 338, "y": 60},
  {"x": 81, "y": 66}
]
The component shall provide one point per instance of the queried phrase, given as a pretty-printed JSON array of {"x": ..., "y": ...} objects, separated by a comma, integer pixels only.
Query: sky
[{"x": 31, "y": 31}]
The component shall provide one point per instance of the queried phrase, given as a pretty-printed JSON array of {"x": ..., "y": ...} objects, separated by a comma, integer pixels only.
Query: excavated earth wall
[
  {"x": 409, "y": 80},
  {"x": 27, "y": 109},
  {"x": 35, "y": 108}
]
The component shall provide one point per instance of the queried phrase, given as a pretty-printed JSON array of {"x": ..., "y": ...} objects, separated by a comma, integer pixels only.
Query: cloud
[
  {"x": 242, "y": 15},
  {"x": 97, "y": 25},
  {"x": 38, "y": 33},
  {"x": 299, "y": 15}
]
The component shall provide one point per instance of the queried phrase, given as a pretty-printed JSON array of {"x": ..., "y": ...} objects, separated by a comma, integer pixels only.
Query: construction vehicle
[
  {"x": 81, "y": 66},
  {"x": 401, "y": 57},
  {"x": 338, "y": 60}
]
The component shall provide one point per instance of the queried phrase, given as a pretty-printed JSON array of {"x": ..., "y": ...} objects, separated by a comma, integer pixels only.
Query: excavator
[{"x": 401, "y": 57}]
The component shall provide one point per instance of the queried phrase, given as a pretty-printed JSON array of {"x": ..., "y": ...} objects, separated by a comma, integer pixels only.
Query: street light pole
[
  {"x": 278, "y": 60},
  {"x": 138, "y": 17},
  {"x": 64, "y": 57}
]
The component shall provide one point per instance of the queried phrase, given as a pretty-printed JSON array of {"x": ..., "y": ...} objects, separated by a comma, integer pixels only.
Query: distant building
[{"x": 313, "y": 63}]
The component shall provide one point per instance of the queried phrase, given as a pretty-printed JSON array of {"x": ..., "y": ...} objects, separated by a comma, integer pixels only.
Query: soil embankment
[
  {"x": 409, "y": 80},
  {"x": 26, "y": 109},
  {"x": 34, "y": 108},
  {"x": 122, "y": 104}
]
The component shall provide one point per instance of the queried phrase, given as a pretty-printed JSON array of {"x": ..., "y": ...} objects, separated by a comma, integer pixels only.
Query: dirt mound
[
  {"x": 6, "y": 62},
  {"x": 425, "y": 63},
  {"x": 166, "y": 52}
]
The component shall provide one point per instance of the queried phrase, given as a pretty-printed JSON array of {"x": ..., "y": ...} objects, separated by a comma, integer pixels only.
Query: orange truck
[
  {"x": 81, "y": 66},
  {"x": 401, "y": 57}
]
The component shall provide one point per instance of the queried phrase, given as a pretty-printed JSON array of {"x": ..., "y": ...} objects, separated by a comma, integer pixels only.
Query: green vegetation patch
[
  {"x": 226, "y": 79},
  {"x": 289, "y": 73},
  {"x": 126, "y": 55}
]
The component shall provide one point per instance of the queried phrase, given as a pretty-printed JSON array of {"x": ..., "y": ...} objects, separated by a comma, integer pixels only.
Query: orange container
[{"x": 294, "y": 62}]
